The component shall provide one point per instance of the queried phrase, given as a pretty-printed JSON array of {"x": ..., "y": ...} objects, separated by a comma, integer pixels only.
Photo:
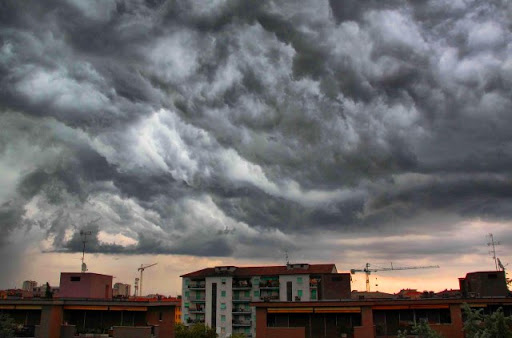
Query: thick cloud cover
[{"x": 235, "y": 127}]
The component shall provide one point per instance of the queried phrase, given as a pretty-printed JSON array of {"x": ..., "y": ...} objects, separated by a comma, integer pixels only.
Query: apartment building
[{"x": 221, "y": 297}]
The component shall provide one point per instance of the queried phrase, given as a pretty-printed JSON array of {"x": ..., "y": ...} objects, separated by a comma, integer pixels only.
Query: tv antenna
[
  {"x": 286, "y": 257},
  {"x": 492, "y": 244},
  {"x": 84, "y": 235}
]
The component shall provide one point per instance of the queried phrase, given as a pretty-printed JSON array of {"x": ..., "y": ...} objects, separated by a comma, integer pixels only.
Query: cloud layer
[{"x": 239, "y": 128}]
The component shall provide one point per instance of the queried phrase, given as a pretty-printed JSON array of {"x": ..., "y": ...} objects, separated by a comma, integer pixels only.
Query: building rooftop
[{"x": 290, "y": 269}]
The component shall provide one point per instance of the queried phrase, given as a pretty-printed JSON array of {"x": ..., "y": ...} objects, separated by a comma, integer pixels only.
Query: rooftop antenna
[
  {"x": 492, "y": 244},
  {"x": 286, "y": 256},
  {"x": 84, "y": 235}
]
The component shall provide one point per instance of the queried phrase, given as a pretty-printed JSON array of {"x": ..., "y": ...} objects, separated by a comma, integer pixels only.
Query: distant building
[
  {"x": 29, "y": 285},
  {"x": 484, "y": 284},
  {"x": 361, "y": 295},
  {"x": 40, "y": 291},
  {"x": 220, "y": 297},
  {"x": 85, "y": 285},
  {"x": 121, "y": 290},
  {"x": 410, "y": 294}
]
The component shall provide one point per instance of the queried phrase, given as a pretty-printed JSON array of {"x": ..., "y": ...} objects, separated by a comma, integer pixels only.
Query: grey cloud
[{"x": 233, "y": 127}]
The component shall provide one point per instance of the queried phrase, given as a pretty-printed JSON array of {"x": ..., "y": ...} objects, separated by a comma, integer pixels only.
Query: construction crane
[
  {"x": 141, "y": 269},
  {"x": 368, "y": 271}
]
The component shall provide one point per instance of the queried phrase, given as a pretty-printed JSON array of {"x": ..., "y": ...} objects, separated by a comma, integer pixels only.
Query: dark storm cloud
[{"x": 234, "y": 127}]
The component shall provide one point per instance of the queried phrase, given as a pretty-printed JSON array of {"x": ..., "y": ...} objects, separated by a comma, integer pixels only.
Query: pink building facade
[{"x": 85, "y": 285}]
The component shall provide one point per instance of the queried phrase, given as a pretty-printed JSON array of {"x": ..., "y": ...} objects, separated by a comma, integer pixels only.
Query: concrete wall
[
  {"x": 164, "y": 327},
  {"x": 484, "y": 284},
  {"x": 89, "y": 285},
  {"x": 67, "y": 331},
  {"x": 132, "y": 332},
  {"x": 304, "y": 286},
  {"x": 223, "y": 329},
  {"x": 285, "y": 332},
  {"x": 335, "y": 286}
]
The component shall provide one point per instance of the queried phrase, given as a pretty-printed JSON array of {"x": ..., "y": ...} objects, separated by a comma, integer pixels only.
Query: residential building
[
  {"x": 85, "y": 285},
  {"x": 221, "y": 296},
  {"x": 65, "y": 318},
  {"x": 121, "y": 290},
  {"x": 484, "y": 284},
  {"x": 29, "y": 285}
]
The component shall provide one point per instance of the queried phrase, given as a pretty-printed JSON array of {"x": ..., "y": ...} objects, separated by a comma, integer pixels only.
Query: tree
[
  {"x": 195, "y": 331},
  {"x": 421, "y": 330},
  {"x": 48, "y": 292},
  {"x": 479, "y": 325},
  {"x": 237, "y": 335},
  {"x": 7, "y": 326}
]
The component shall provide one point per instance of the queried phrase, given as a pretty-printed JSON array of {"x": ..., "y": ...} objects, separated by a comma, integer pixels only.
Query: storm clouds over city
[{"x": 242, "y": 129}]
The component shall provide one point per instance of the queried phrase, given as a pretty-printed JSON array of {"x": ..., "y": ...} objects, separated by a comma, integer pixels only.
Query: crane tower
[
  {"x": 368, "y": 271},
  {"x": 141, "y": 269}
]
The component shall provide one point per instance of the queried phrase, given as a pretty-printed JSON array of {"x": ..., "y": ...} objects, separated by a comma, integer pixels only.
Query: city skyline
[{"x": 197, "y": 134}]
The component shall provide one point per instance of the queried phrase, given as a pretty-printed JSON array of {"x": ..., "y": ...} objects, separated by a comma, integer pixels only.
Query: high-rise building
[
  {"x": 29, "y": 285},
  {"x": 220, "y": 297}
]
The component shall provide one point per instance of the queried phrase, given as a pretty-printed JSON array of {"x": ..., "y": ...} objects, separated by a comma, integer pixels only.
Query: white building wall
[
  {"x": 223, "y": 329},
  {"x": 296, "y": 286}
]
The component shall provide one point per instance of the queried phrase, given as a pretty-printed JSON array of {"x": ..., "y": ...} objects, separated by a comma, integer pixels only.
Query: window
[
  {"x": 299, "y": 280},
  {"x": 299, "y": 293},
  {"x": 223, "y": 293},
  {"x": 223, "y": 306},
  {"x": 186, "y": 305},
  {"x": 223, "y": 280},
  {"x": 247, "y": 330},
  {"x": 198, "y": 295},
  {"x": 247, "y": 294},
  {"x": 223, "y": 318},
  {"x": 187, "y": 282},
  {"x": 187, "y": 294},
  {"x": 256, "y": 293},
  {"x": 75, "y": 278},
  {"x": 256, "y": 281},
  {"x": 313, "y": 294},
  {"x": 185, "y": 317}
]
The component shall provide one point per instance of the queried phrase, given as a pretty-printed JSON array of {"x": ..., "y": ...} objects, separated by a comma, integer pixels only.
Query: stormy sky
[{"x": 340, "y": 131}]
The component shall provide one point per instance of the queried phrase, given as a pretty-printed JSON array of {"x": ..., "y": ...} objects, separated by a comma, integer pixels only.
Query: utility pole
[{"x": 492, "y": 244}]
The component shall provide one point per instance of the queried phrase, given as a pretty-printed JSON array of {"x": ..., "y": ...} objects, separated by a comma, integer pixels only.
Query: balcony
[
  {"x": 199, "y": 310},
  {"x": 269, "y": 285},
  {"x": 241, "y": 311},
  {"x": 197, "y": 286},
  {"x": 242, "y": 300},
  {"x": 195, "y": 321},
  {"x": 198, "y": 300},
  {"x": 241, "y": 323},
  {"x": 267, "y": 298}
]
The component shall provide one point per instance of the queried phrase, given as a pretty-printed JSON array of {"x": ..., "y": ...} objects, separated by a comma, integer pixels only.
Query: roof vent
[
  {"x": 303, "y": 266},
  {"x": 225, "y": 269}
]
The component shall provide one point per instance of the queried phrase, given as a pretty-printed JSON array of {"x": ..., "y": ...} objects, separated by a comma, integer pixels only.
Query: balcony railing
[
  {"x": 271, "y": 284},
  {"x": 198, "y": 300},
  {"x": 266, "y": 298},
  {"x": 237, "y": 322},
  {"x": 197, "y": 286},
  {"x": 195, "y": 321},
  {"x": 241, "y": 310},
  {"x": 243, "y": 284}
]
